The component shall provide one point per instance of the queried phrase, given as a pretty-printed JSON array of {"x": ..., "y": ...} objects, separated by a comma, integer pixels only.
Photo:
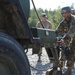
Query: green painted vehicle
[
  {"x": 16, "y": 36},
  {"x": 47, "y": 36}
]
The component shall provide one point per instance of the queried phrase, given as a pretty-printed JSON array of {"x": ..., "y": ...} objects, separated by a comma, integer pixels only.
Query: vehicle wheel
[{"x": 13, "y": 60}]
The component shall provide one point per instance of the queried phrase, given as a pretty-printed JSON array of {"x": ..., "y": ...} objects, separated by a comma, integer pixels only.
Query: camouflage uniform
[
  {"x": 46, "y": 24},
  {"x": 68, "y": 28}
]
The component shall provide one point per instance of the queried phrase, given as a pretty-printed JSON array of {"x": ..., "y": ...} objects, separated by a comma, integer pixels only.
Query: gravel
[{"x": 39, "y": 68}]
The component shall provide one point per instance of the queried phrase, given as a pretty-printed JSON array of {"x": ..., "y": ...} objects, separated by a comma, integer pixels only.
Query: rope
[
  {"x": 41, "y": 69},
  {"x": 37, "y": 13}
]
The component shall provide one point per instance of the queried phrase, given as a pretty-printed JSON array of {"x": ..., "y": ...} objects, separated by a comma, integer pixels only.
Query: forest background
[{"x": 52, "y": 15}]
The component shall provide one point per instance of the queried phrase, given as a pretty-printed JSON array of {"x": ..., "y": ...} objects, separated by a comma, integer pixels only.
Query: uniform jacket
[
  {"x": 46, "y": 25},
  {"x": 67, "y": 27}
]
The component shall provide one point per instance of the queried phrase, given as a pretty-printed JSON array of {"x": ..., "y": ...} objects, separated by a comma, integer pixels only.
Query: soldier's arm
[
  {"x": 62, "y": 28},
  {"x": 71, "y": 31},
  {"x": 38, "y": 25},
  {"x": 50, "y": 25},
  {"x": 59, "y": 28}
]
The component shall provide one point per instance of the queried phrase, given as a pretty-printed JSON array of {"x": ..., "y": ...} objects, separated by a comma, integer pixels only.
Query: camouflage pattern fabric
[
  {"x": 46, "y": 24},
  {"x": 68, "y": 29}
]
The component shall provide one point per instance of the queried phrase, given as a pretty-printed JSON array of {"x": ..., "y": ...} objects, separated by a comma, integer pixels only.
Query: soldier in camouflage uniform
[
  {"x": 47, "y": 25},
  {"x": 67, "y": 28}
]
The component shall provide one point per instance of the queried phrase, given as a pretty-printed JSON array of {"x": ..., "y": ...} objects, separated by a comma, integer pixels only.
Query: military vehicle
[{"x": 16, "y": 36}]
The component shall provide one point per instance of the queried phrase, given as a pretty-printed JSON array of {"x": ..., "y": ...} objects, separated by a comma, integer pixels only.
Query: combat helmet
[{"x": 65, "y": 9}]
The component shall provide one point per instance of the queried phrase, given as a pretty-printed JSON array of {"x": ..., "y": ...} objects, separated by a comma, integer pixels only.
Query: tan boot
[{"x": 68, "y": 72}]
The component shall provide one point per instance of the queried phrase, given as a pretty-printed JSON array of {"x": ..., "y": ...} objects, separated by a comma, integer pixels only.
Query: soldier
[
  {"x": 46, "y": 24},
  {"x": 67, "y": 28}
]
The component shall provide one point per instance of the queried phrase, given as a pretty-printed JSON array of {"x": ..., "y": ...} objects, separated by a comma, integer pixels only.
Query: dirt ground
[{"x": 39, "y": 68}]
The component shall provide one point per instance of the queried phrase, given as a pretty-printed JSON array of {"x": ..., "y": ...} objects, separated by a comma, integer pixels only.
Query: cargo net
[{"x": 39, "y": 68}]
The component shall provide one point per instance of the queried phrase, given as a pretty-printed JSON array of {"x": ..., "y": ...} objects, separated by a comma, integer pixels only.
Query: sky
[{"x": 51, "y": 4}]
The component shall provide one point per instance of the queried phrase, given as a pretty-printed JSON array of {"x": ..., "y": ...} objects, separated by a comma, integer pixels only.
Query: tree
[{"x": 53, "y": 15}]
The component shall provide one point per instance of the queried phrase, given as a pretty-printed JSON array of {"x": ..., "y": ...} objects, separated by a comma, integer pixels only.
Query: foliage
[{"x": 53, "y": 15}]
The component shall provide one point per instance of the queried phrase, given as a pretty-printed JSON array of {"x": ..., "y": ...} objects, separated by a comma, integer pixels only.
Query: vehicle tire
[{"x": 13, "y": 60}]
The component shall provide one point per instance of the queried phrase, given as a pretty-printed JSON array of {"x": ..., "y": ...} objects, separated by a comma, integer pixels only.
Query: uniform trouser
[{"x": 71, "y": 59}]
